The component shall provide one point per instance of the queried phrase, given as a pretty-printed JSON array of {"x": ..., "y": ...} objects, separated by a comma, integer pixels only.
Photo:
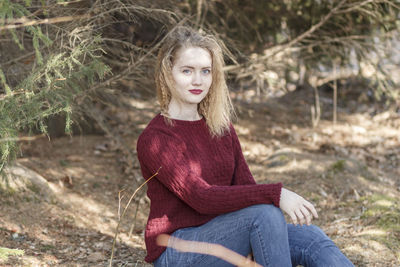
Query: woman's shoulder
[
  {"x": 157, "y": 127},
  {"x": 156, "y": 137}
]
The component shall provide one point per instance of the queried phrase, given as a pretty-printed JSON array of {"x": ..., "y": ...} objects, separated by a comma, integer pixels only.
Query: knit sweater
[{"x": 200, "y": 178}]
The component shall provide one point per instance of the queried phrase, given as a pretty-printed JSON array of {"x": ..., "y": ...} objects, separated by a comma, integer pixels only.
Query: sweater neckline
[{"x": 182, "y": 122}]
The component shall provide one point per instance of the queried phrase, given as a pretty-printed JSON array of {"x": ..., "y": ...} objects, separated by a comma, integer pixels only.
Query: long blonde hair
[{"x": 216, "y": 107}]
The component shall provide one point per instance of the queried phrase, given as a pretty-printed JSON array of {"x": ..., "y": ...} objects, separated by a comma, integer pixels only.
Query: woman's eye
[
  {"x": 206, "y": 71},
  {"x": 187, "y": 71}
]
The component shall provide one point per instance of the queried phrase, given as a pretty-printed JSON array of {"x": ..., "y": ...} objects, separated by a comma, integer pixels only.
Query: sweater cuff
[{"x": 277, "y": 196}]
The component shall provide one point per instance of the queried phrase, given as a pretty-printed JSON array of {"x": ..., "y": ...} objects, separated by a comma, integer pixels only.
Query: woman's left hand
[{"x": 300, "y": 210}]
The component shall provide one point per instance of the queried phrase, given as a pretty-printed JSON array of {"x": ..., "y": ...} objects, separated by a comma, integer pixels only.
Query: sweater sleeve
[
  {"x": 242, "y": 174},
  {"x": 160, "y": 149}
]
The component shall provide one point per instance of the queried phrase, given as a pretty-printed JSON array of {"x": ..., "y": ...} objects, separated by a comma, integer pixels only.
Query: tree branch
[{"x": 24, "y": 22}]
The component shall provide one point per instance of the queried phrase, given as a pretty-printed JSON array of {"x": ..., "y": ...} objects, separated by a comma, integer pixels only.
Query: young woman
[{"x": 204, "y": 190}]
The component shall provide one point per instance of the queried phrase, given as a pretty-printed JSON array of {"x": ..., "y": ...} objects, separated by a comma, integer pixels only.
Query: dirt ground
[{"x": 350, "y": 170}]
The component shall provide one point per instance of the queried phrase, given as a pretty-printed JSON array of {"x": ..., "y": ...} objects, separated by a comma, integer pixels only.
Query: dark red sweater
[{"x": 201, "y": 177}]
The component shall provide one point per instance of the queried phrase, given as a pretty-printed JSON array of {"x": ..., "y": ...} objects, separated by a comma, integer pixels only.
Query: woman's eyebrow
[{"x": 191, "y": 67}]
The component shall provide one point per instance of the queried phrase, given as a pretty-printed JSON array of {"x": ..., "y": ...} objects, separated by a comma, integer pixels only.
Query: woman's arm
[
  {"x": 242, "y": 174},
  {"x": 168, "y": 152}
]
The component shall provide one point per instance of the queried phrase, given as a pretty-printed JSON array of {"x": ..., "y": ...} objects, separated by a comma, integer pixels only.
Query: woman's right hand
[{"x": 300, "y": 210}]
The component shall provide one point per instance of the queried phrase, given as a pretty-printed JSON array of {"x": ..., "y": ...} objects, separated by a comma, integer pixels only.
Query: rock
[
  {"x": 17, "y": 237},
  {"x": 21, "y": 179}
]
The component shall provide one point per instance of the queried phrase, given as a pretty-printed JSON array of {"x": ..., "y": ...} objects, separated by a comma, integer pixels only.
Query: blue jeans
[{"x": 263, "y": 231}]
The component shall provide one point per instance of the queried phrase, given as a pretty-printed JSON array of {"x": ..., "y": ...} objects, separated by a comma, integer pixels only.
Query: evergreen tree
[{"x": 57, "y": 79}]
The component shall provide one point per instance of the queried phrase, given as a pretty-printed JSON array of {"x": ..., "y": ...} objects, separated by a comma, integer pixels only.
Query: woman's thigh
[{"x": 231, "y": 230}]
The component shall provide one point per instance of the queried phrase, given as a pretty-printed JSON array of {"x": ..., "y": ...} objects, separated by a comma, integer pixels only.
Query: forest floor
[{"x": 350, "y": 170}]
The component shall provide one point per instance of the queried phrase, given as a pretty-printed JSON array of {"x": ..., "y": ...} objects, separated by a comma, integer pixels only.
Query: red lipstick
[{"x": 196, "y": 91}]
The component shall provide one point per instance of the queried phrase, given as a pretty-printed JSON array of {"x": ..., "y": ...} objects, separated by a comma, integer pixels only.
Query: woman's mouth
[{"x": 196, "y": 91}]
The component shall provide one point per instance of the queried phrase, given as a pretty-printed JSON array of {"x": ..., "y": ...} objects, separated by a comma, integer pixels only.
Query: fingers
[
  {"x": 311, "y": 208},
  {"x": 299, "y": 216},
  {"x": 293, "y": 216},
  {"x": 305, "y": 213},
  {"x": 300, "y": 210}
]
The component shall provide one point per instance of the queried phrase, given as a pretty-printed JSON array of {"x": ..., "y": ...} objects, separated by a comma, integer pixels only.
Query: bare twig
[
  {"x": 43, "y": 21},
  {"x": 22, "y": 138},
  {"x": 271, "y": 52},
  {"x": 123, "y": 214},
  {"x": 119, "y": 203},
  {"x": 131, "y": 67},
  {"x": 316, "y": 109},
  {"x": 134, "y": 219},
  {"x": 334, "y": 93}
]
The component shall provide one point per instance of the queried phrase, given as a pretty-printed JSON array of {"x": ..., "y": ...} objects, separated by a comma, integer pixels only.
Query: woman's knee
[{"x": 267, "y": 214}]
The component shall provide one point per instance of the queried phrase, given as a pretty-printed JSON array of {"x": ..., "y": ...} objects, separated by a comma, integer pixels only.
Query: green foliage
[
  {"x": 6, "y": 252},
  {"x": 4, "y": 82},
  {"x": 9, "y": 10},
  {"x": 338, "y": 166},
  {"x": 383, "y": 212},
  {"x": 57, "y": 80}
]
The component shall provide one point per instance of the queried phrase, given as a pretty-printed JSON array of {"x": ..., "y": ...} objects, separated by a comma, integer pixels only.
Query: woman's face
[{"x": 192, "y": 75}]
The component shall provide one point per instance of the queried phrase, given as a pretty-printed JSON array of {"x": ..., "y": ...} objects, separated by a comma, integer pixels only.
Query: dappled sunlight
[
  {"x": 85, "y": 209},
  {"x": 340, "y": 168},
  {"x": 367, "y": 183},
  {"x": 384, "y": 203},
  {"x": 32, "y": 261},
  {"x": 367, "y": 248},
  {"x": 242, "y": 130},
  {"x": 377, "y": 246},
  {"x": 296, "y": 165},
  {"x": 372, "y": 232},
  {"x": 87, "y": 205},
  {"x": 360, "y": 131},
  {"x": 254, "y": 149},
  {"x": 138, "y": 103}
]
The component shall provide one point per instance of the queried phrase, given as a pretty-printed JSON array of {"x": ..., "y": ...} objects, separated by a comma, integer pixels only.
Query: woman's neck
[{"x": 186, "y": 112}]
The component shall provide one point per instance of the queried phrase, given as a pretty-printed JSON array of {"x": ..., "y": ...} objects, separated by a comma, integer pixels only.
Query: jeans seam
[
  {"x": 312, "y": 256},
  {"x": 262, "y": 244}
]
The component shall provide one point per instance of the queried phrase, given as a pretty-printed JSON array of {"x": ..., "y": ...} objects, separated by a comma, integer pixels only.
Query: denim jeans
[{"x": 263, "y": 231}]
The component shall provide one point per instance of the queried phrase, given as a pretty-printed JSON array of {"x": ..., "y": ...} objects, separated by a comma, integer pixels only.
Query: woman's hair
[{"x": 216, "y": 107}]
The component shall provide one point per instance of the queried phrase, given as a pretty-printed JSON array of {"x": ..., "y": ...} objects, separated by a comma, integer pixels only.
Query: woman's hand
[{"x": 300, "y": 210}]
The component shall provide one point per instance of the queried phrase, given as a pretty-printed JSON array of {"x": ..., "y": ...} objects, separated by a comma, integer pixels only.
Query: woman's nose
[{"x": 196, "y": 78}]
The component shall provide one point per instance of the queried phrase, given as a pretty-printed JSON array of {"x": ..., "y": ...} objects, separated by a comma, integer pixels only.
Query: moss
[
  {"x": 390, "y": 220},
  {"x": 6, "y": 252},
  {"x": 384, "y": 212},
  {"x": 64, "y": 163},
  {"x": 34, "y": 188},
  {"x": 7, "y": 190},
  {"x": 283, "y": 158},
  {"x": 46, "y": 247},
  {"x": 338, "y": 166}
]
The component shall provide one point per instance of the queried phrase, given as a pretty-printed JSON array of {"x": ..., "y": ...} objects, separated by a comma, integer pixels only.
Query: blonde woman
[{"x": 204, "y": 190}]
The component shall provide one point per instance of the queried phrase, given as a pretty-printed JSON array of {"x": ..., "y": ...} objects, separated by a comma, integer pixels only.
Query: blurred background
[{"x": 315, "y": 84}]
